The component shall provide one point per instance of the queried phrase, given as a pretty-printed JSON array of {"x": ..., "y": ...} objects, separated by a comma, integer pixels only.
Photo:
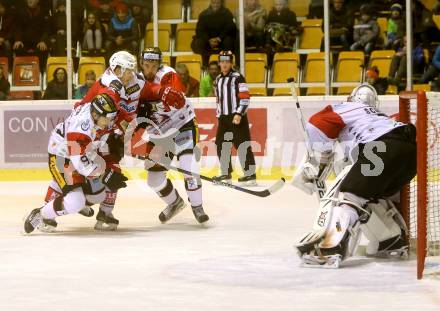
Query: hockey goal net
[{"x": 420, "y": 200}]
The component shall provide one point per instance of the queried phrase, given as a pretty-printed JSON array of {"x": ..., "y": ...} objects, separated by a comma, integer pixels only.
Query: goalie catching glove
[{"x": 114, "y": 180}]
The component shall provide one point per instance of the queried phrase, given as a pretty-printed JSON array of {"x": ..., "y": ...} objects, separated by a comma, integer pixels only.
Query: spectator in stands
[
  {"x": 215, "y": 31},
  {"x": 379, "y": 84},
  {"x": 207, "y": 82},
  {"x": 93, "y": 35},
  {"x": 4, "y": 84},
  {"x": 191, "y": 84},
  {"x": 316, "y": 9},
  {"x": 281, "y": 28},
  {"x": 58, "y": 37},
  {"x": 254, "y": 22},
  {"x": 341, "y": 25},
  {"x": 433, "y": 70},
  {"x": 82, "y": 90},
  {"x": 6, "y": 31},
  {"x": 366, "y": 31},
  {"x": 398, "y": 63},
  {"x": 141, "y": 13},
  {"x": 57, "y": 87},
  {"x": 423, "y": 25},
  {"x": 105, "y": 9},
  {"x": 31, "y": 38},
  {"x": 395, "y": 28},
  {"x": 123, "y": 32}
]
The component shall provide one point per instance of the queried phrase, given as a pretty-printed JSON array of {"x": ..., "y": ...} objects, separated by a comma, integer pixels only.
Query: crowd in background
[{"x": 101, "y": 27}]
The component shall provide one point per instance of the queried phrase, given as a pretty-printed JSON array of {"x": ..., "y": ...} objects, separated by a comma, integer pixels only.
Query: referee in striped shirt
[{"x": 233, "y": 98}]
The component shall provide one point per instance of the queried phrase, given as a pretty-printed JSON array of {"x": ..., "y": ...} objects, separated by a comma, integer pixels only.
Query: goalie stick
[
  {"x": 262, "y": 194},
  {"x": 319, "y": 184}
]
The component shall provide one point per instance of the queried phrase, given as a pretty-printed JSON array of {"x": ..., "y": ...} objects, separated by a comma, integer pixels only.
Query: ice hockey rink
[{"x": 242, "y": 259}]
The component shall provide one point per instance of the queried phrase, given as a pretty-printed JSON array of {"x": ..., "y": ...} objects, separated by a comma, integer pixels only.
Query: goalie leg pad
[{"x": 384, "y": 230}]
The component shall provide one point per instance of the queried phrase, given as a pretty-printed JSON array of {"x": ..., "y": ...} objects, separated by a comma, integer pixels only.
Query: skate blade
[
  {"x": 46, "y": 229},
  {"x": 401, "y": 253},
  {"x": 102, "y": 226},
  {"x": 251, "y": 183},
  {"x": 225, "y": 181},
  {"x": 330, "y": 262}
]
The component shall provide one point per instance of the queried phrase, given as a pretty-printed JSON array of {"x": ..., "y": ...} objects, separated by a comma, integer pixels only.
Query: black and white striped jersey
[{"x": 232, "y": 94}]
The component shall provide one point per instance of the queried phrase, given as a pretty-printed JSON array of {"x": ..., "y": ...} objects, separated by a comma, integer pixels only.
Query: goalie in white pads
[
  {"x": 80, "y": 178},
  {"x": 383, "y": 156}
]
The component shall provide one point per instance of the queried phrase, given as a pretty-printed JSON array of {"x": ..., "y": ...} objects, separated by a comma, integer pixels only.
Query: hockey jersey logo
[
  {"x": 132, "y": 89},
  {"x": 129, "y": 107}
]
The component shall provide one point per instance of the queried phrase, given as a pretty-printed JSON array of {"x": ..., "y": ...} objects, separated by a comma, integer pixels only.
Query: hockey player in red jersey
[
  {"x": 80, "y": 175},
  {"x": 383, "y": 156},
  {"x": 156, "y": 72}
]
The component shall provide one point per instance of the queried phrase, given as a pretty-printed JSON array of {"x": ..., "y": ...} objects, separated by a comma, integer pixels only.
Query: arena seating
[
  {"x": 194, "y": 64},
  {"x": 97, "y": 64},
  {"x": 164, "y": 36},
  {"x": 26, "y": 71},
  {"x": 184, "y": 35},
  {"x": 382, "y": 60}
]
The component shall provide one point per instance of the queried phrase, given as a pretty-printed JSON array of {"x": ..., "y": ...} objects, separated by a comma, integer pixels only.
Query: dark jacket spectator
[
  {"x": 366, "y": 32},
  {"x": 341, "y": 24},
  {"x": 396, "y": 27},
  {"x": 92, "y": 34},
  {"x": 282, "y": 27},
  {"x": 32, "y": 38},
  {"x": 254, "y": 22},
  {"x": 4, "y": 85},
  {"x": 424, "y": 27},
  {"x": 215, "y": 31},
  {"x": 433, "y": 70},
  {"x": 123, "y": 31},
  {"x": 6, "y": 31},
  {"x": 379, "y": 84},
  {"x": 57, "y": 87},
  {"x": 105, "y": 9},
  {"x": 141, "y": 13},
  {"x": 191, "y": 84},
  {"x": 58, "y": 27}
]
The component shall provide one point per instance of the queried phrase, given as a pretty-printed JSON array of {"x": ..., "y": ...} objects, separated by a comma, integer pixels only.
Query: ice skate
[
  {"x": 222, "y": 178},
  {"x": 87, "y": 211},
  {"x": 249, "y": 181},
  {"x": 200, "y": 214},
  {"x": 106, "y": 222},
  {"x": 172, "y": 210},
  {"x": 35, "y": 221}
]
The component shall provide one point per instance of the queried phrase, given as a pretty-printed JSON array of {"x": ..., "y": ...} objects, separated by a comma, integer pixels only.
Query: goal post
[{"x": 420, "y": 200}]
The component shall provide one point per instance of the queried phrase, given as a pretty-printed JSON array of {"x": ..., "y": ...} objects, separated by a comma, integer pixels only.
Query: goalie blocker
[{"x": 383, "y": 156}]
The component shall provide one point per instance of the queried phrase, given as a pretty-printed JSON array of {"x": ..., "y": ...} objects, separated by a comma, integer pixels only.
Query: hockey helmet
[
  {"x": 152, "y": 54},
  {"x": 124, "y": 60},
  {"x": 365, "y": 93},
  {"x": 104, "y": 106}
]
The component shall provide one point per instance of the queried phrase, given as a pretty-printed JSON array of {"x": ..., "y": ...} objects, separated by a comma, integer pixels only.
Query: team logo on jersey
[
  {"x": 85, "y": 125},
  {"x": 242, "y": 87},
  {"x": 321, "y": 219},
  {"x": 116, "y": 85},
  {"x": 132, "y": 89},
  {"x": 127, "y": 107}
]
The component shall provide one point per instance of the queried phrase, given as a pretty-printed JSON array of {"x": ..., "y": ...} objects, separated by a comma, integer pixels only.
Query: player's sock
[
  {"x": 162, "y": 186},
  {"x": 108, "y": 204},
  {"x": 105, "y": 219}
]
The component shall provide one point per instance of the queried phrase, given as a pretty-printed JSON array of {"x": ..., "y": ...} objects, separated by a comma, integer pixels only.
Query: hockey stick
[
  {"x": 321, "y": 188},
  {"x": 262, "y": 194}
]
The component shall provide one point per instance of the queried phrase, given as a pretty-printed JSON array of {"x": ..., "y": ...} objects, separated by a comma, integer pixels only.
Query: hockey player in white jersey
[
  {"x": 167, "y": 129},
  {"x": 79, "y": 174},
  {"x": 383, "y": 156}
]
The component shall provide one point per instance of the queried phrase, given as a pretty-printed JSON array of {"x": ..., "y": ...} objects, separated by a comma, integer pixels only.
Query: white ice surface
[{"x": 242, "y": 260}]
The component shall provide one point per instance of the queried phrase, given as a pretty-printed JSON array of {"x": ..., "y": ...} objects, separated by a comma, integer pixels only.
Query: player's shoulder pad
[{"x": 116, "y": 85}]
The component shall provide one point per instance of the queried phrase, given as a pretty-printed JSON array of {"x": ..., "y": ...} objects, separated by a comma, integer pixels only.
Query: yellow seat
[
  {"x": 382, "y": 60},
  {"x": 184, "y": 35},
  {"x": 166, "y": 60},
  {"x": 315, "y": 91},
  {"x": 426, "y": 55},
  {"x": 97, "y": 64},
  {"x": 383, "y": 25},
  {"x": 436, "y": 19},
  {"x": 170, "y": 9},
  {"x": 391, "y": 90},
  {"x": 232, "y": 5},
  {"x": 422, "y": 87},
  {"x": 53, "y": 63},
  {"x": 350, "y": 67},
  {"x": 285, "y": 65},
  {"x": 194, "y": 64},
  {"x": 315, "y": 68},
  {"x": 258, "y": 91},
  {"x": 301, "y": 8},
  {"x": 345, "y": 90},
  {"x": 164, "y": 34},
  {"x": 312, "y": 34},
  {"x": 284, "y": 91},
  {"x": 255, "y": 67}
]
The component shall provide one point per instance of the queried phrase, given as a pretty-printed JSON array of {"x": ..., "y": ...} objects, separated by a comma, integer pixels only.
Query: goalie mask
[{"x": 366, "y": 94}]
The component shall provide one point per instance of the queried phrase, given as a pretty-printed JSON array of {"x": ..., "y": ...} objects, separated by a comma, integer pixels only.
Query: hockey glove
[
  {"x": 114, "y": 180},
  {"x": 171, "y": 98},
  {"x": 115, "y": 144}
]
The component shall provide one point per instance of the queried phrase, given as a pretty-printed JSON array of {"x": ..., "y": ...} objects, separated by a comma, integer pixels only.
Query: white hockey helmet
[
  {"x": 365, "y": 93},
  {"x": 124, "y": 60}
]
